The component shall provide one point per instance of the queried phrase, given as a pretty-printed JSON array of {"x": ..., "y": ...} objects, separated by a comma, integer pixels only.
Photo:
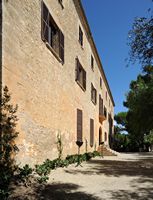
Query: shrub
[
  {"x": 25, "y": 173},
  {"x": 8, "y": 148}
]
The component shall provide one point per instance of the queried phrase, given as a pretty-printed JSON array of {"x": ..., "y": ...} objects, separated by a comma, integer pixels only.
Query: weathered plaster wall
[{"x": 44, "y": 89}]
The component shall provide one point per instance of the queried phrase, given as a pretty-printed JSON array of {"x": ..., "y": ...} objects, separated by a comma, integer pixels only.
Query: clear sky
[{"x": 110, "y": 22}]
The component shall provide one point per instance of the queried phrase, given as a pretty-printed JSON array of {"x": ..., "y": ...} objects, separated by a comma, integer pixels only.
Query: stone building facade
[{"x": 52, "y": 69}]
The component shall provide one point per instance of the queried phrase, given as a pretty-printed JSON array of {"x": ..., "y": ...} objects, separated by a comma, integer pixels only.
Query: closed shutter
[
  {"x": 91, "y": 132},
  {"x": 91, "y": 92},
  {"x": 95, "y": 96},
  {"x": 76, "y": 69},
  {"x": 79, "y": 125},
  {"x": 44, "y": 22},
  {"x": 100, "y": 105},
  {"x": 61, "y": 46},
  {"x": 80, "y": 36},
  {"x": 84, "y": 79}
]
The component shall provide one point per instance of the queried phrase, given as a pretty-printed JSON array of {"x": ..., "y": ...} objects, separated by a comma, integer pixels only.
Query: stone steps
[{"x": 105, "y": 151}]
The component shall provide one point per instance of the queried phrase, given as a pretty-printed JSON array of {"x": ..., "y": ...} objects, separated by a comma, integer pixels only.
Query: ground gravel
[{"x": 123, "y": 177}]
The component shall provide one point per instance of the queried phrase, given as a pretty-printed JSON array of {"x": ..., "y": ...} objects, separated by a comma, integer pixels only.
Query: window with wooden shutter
[
  {"x": 93, "y": 94},
  {"x": 61, "y": 53},
  {"x": 105, "y": 112},
  {"x": 80, "y": 75},
  {"x": 106, "y": 95},
  {"x": 100, "y": 82},
  {"x": 91, "y": 132},
  {"x": 79, "y": 125},
  {"x": 80, "y": 36},
  {"x": 100, "y": 105},
  {"x": 92, "y": 63},
  {"x": 51, "y": 34}
]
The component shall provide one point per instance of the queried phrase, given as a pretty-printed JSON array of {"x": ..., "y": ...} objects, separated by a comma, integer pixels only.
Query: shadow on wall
[{"x": 56, "y": 191}]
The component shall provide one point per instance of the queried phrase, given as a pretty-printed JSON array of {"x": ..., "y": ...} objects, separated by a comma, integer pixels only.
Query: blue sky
[{"x": 110, "y": 22}]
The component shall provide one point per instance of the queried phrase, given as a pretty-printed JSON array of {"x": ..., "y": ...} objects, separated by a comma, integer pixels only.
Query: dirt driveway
[{"x": 124, "y": 177}]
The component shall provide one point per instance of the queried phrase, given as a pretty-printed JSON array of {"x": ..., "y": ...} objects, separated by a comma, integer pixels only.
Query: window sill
[
  {"x": 80, "y": 85},
  {"x": 54, "y": 53}
]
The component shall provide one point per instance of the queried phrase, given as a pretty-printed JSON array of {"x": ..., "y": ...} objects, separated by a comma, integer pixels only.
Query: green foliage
[
  {"x": 120, "y": 118},
  {"x": 7, "y": 143},
  {"x": 149, "y": 138},
  {"x": 121, "y": 142},
  {"x": 139, "y": 101},
  {"x": 141, "y": 41},
  {"x": 59, "y": 145},
  {"x": 25, "y": 174}
]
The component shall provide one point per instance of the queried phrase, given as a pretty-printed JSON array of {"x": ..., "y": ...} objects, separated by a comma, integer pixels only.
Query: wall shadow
[
  {"x": 55, "y": 191},
  {"x": 139, "y": 194},
  {"x": 142, "y": 168}
]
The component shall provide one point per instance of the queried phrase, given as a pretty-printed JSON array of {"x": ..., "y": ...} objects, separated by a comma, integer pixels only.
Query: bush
[
  {"x": 24, "y": 174},
  {"x": 7, "y": 143}
]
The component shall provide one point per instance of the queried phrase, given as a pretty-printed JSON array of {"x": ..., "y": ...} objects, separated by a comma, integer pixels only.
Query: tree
[
  {"x": 121, "y": 120},
  {"x": 141, "y": 41},
  {"x": 139, "y": 100},
  {"x": 7, "y": 143},
  {"x": 149, "y": 139}
]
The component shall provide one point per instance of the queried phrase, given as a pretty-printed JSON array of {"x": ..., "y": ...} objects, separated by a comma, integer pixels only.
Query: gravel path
[{"x": 124, "y": 177}]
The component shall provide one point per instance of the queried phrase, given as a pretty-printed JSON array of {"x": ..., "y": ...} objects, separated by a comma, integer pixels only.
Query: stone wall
[{"x": 44, "y": 89}]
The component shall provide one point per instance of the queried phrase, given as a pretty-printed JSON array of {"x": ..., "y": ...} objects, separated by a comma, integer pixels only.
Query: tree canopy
[
  {"x": 138, "y": 120},
  {"x": 141, "y": 41}
]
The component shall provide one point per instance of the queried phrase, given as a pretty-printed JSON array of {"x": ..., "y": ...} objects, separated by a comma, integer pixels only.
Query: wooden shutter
[
  {"x": 44, "y": 22},
  {"x": 95, "y": 96},
  {"x": 100, "y": 105},
  {"x": 61, "y": 46},
  {"x": 79, "y": 125},
  {"x": 92, "y": 62},
  {"x": 80, "y": 36},
  {"x": 76, "y": 69},
  {"x": 100, "y": 82},
  {"x": 91, "y": 132},
  {"x": 91, "y": 92},
  {"x": 84, "y": 79}
]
